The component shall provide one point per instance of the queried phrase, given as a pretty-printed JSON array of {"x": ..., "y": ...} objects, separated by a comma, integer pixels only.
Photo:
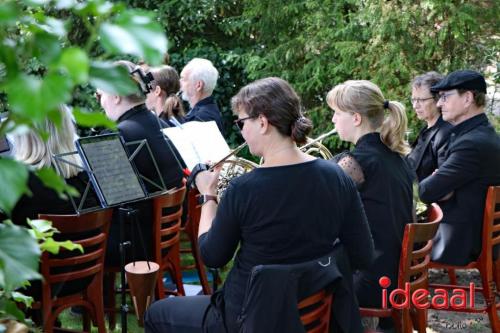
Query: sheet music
[
  {"x": 112, "y": 170},
  {"x": 198, "y": 142}
]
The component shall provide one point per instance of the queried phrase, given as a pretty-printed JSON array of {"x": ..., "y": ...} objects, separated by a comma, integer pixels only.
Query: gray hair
[
  {"x": 31, "y": 149},
  {"x": 203, "y": 70},
  {"x": 428, "y": 80}
]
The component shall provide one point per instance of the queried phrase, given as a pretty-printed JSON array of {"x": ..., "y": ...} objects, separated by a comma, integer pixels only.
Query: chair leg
[
  {"x": 489, "y": 296},
  {"x": 109, "y": 279},
  {"x": 160, "y": 288},
  {"x": 200, "y": 267},
  {"x": 419, "y": 320},
  {"x": 496, "y": 273},
  {"x": 452, "y": 276},
  {"x": 86, "y": 320}
]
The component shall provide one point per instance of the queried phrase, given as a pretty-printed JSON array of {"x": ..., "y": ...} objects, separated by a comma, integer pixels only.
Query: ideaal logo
[{"x": 400, "y": 298}]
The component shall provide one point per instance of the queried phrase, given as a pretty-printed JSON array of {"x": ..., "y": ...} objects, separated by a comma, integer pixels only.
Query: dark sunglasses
[{"x": 241, "y": 122}]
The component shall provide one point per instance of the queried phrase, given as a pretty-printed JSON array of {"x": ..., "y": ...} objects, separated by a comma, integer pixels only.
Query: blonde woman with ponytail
[{"x": 376, "y": 127}]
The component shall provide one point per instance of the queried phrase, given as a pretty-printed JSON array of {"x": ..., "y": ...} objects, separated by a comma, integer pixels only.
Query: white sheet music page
[{"x": 198, "y": 142}]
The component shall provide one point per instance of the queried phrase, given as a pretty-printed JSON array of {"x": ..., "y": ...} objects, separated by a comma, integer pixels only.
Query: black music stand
[{"x": 117, "y": 183}]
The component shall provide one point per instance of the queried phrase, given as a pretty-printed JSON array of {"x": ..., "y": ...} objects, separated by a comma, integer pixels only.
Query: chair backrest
[
  {"x": 167, "y": 213},
  {"x": 415, "y": 251},
  {"x": 90, "y": 230},
  {"x": 491, "y": 221},
  {"x": 315, "y": 312}
]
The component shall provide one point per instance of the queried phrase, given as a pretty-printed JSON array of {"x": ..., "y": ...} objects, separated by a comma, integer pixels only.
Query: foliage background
[{"x": 318, "y": 44}]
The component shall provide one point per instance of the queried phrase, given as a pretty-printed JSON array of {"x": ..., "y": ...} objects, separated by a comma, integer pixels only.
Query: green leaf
[
  {"x": 136, "y": 33},
  {"x": 52, "y": 246},
  {"x": 50, "y": 178},
  {"x": 19, "y": 255},
  {"x": 24, "y": 95},
  {"x": 14, "y": 176},
  {"x": 8, "y": 13},
  {"x": 92, "y": 119},
  {"x": 76, "y": 62},
  {"x": 12, "y": 310},
  {"x": 112, "y": 79},
  {"x": 42, "y": 228},
  {"x": 47, "y": 47},
  {"x": 22, "y": 298},
  {"x": 56, "y": 89}
]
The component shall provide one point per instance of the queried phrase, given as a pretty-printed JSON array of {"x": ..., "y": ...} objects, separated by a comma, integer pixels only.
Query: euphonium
[{"x": 315, "y": 147}]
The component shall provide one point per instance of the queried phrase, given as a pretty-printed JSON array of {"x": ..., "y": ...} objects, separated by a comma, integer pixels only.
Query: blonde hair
[
  {"x": 31, "y": 149},
  {"x": 366, "y": 98}
]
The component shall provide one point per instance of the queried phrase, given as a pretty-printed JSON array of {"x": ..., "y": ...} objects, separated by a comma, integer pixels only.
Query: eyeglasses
[
  {"x": 98, "y": 96},
  {"x": 241, "y": 122},
  {"x": 419, "y": 100},
  {"x": 444, "y": 97}
]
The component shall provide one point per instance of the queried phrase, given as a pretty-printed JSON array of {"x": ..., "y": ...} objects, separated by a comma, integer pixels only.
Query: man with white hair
[{"x": 198, "y": 80}]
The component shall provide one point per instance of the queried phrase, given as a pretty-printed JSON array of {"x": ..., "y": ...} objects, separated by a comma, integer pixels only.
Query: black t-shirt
[{"x": 284, "y": 215}]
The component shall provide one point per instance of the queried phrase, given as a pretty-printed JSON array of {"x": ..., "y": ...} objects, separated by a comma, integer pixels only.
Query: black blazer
[
  {"x": 206, "y": 110},
  {"x": 426, "y": 148},
  {"x": 274, "y": 291},
  {"x": 471, "y": 164}
]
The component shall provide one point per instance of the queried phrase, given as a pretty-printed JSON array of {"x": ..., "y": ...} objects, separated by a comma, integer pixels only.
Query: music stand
[{"x": 116, "y": 182}]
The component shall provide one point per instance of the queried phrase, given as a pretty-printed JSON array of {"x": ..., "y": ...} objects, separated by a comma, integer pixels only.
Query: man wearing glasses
[{"x": 470, "y": 164}]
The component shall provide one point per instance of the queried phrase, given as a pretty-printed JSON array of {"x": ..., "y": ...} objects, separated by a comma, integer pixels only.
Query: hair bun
[{"x": 300, "y": 128}]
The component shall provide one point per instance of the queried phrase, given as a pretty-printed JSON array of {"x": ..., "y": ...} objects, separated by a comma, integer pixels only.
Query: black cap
[{"x": 467, "y": 79}]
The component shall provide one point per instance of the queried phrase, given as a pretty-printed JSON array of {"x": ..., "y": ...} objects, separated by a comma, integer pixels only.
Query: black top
[
  {"x": 284, "y": 215},
  {"x": 206, "y": 110},
  {"x": 386, "y": 192},
  {"x": 47, "y": 201},
  {"x": 471, "y": 164},
  {"x": 427, "y": 147},
  {"x": 139, "y": 123}
]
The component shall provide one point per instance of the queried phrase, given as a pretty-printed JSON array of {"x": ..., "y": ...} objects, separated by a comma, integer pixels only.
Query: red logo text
[{"x": 419, "y": 298}]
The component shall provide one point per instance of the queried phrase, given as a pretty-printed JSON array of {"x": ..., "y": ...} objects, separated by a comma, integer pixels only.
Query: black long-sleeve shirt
[{"x": 285, "y": 215}]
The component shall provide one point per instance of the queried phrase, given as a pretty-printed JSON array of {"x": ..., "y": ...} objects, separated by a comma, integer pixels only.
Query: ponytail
[
  {"x": 173, "y": 107},
  {"x": 393, "y": 129}
]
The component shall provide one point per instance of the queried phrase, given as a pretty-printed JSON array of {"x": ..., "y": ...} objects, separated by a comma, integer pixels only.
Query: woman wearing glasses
[
  {"x": 431, "y": 141},
  {"x": 377, "y": 127},
  {"x": 290, "y": 210}
]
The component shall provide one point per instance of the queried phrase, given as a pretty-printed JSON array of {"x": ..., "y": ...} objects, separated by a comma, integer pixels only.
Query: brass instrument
[
  {"x": 314, "y": 147},
  {"x": 232, "y": 167}
]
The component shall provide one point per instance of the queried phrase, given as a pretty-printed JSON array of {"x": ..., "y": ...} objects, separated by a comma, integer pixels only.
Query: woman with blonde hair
[
  {"x": 377, "y": 128},
  {"x": 32, "y": 149},
  {"x": 163, "y": 99}
]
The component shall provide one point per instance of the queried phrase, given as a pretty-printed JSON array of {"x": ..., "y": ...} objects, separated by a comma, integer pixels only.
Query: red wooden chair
[
  {"x": 82, "y": 273},
  {"x": 413, "y": 266},
  {"x": 167, "y": 212},
  {"x": 315, "y": 312},
  {"x": 488, "y": 269}
]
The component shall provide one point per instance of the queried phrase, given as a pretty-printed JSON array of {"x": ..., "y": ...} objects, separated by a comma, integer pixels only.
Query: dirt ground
[{"x": 453, "y": 322}]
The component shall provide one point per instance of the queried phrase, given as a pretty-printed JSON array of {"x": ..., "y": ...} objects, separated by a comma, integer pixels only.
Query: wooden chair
[
  {"x": 190, "y": 232},
  {"x": 167, "y": 212},
  {"x": 315, "y": 312},
  {"x": 81, "y": 272},
  {"x": 413, "y": 266},
  {"x": 488, "y": 269}
]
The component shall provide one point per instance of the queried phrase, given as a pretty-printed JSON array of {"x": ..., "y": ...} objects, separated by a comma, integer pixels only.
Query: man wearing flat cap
[{"x": 469, "y": 165}]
